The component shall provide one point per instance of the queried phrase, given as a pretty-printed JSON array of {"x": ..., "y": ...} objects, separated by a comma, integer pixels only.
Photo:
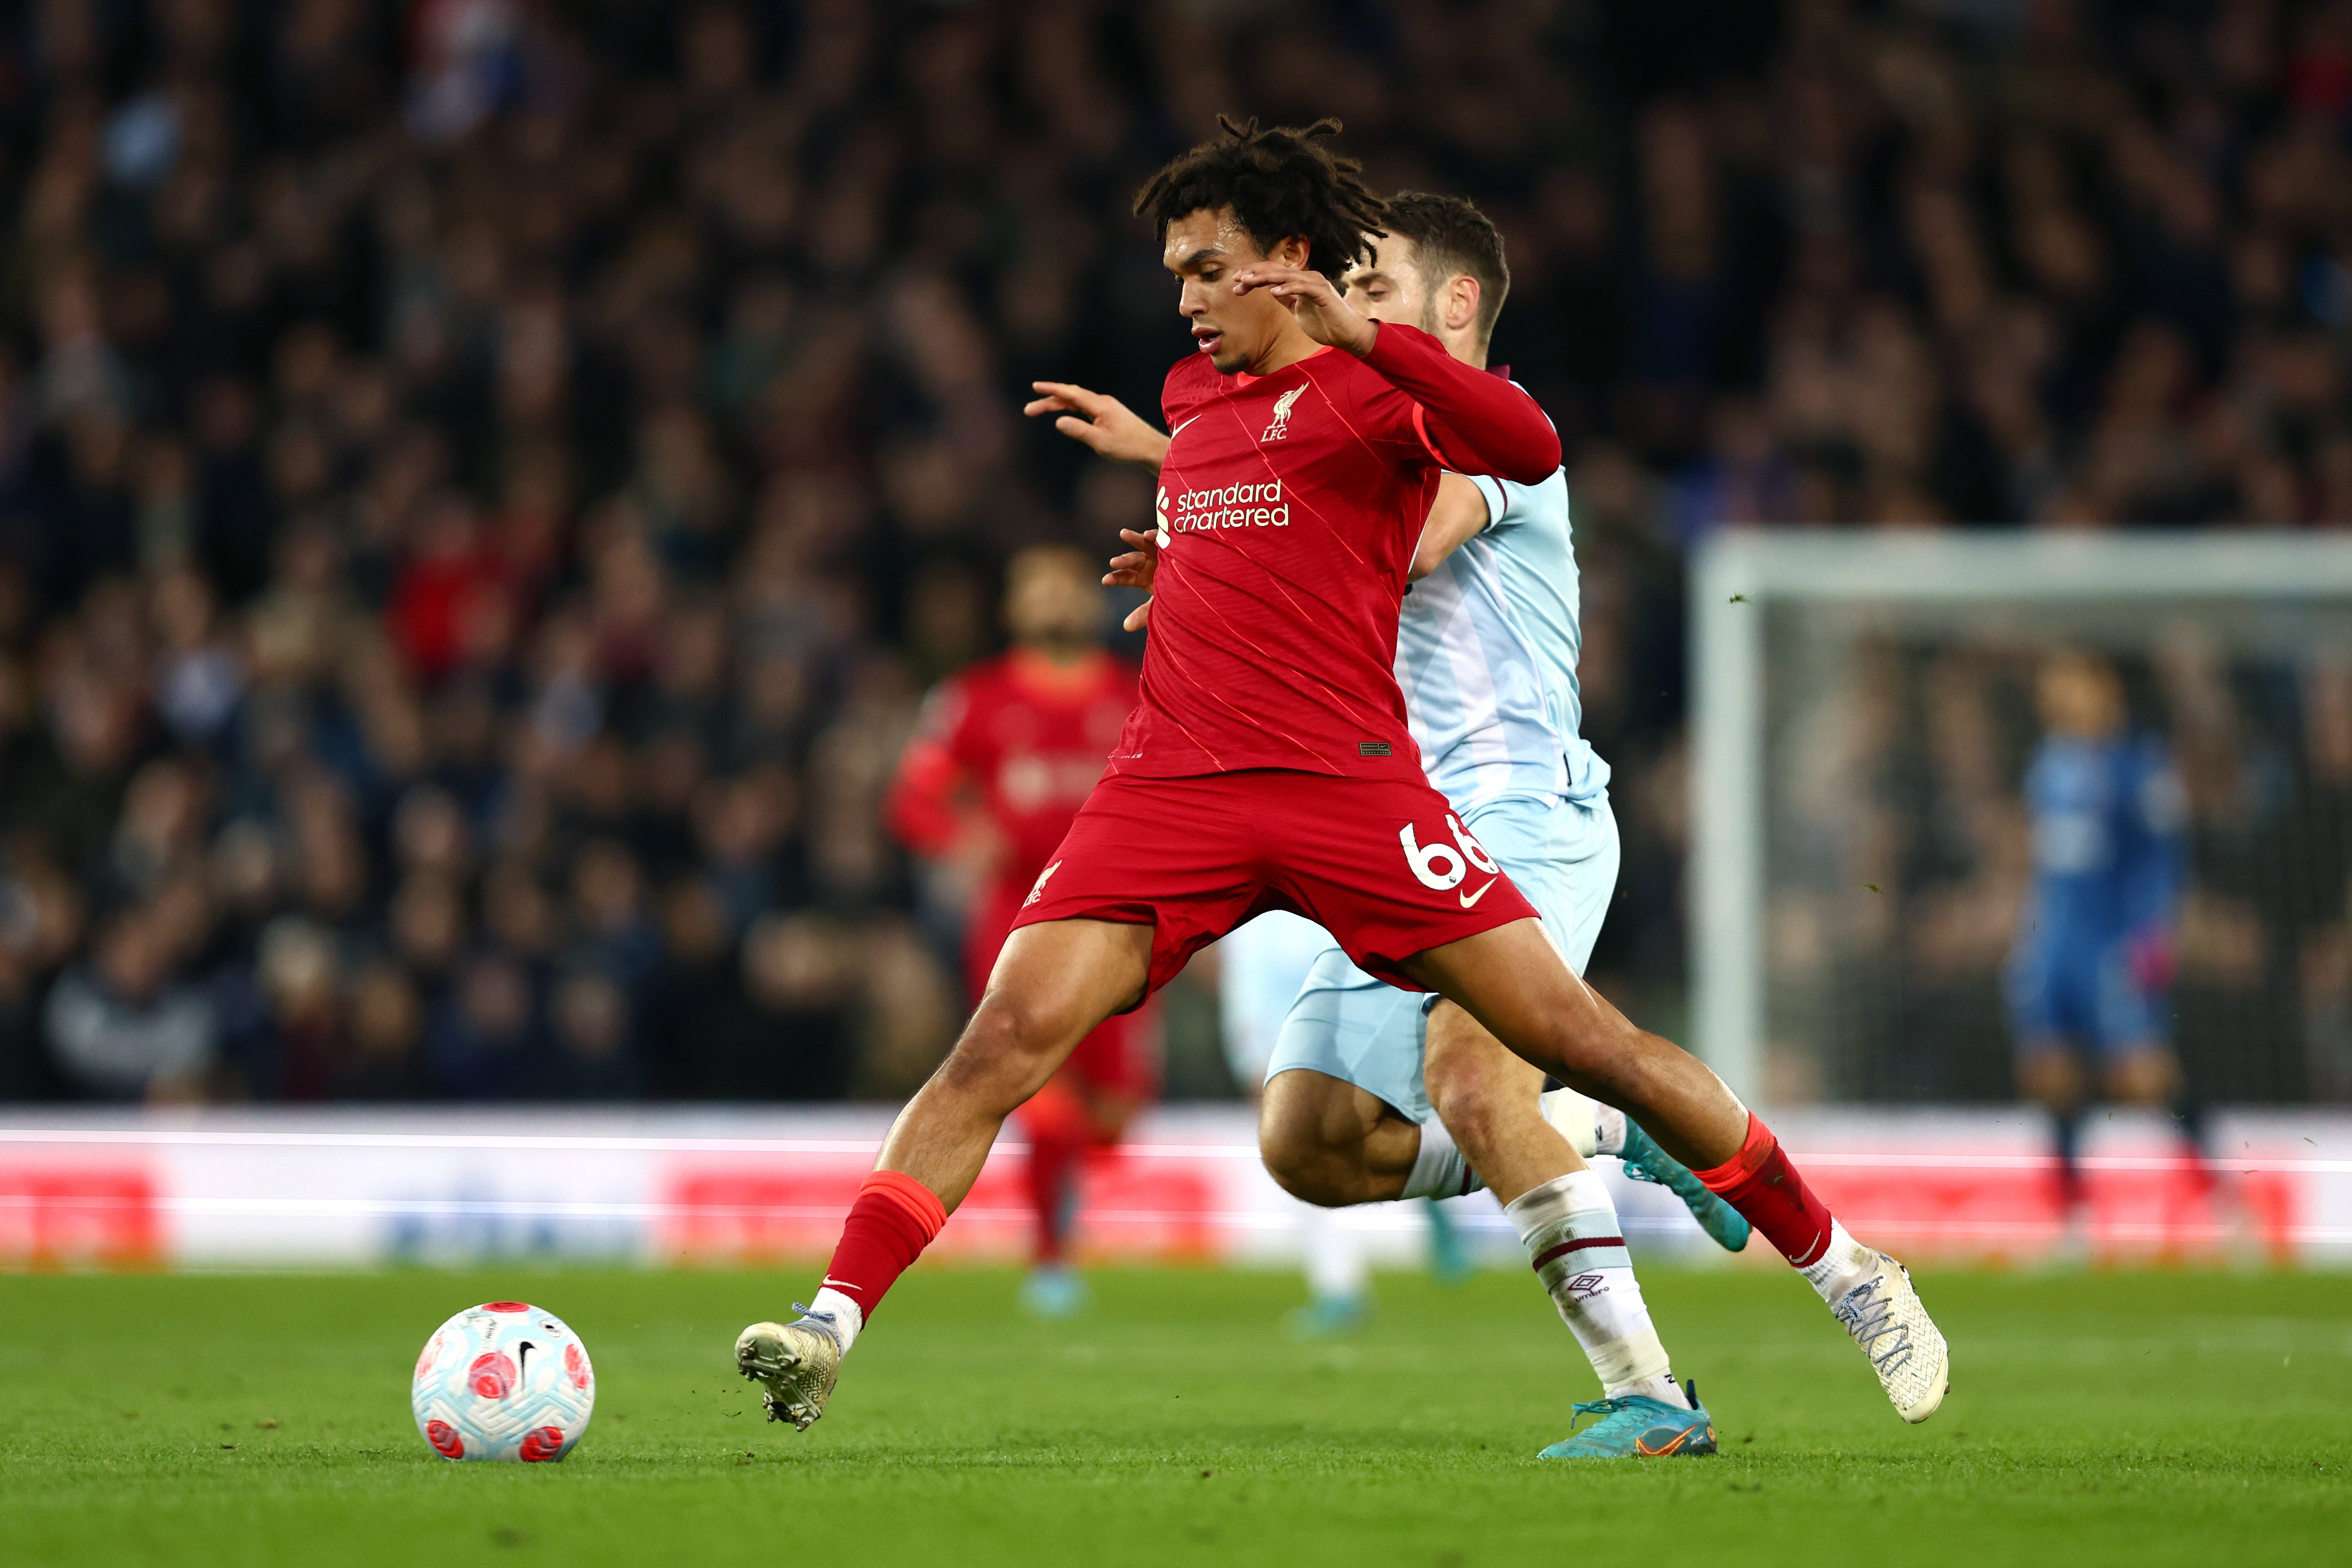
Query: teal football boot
[
  {"x": 1646, "y": 1161},
  {"x": 1053, "y": 1292},
  {"x": 1329, "y": 1317},
  {"x": 1639, "y": 1427}
]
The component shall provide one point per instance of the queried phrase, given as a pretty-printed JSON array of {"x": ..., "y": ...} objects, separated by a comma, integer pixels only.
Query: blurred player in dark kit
[
  {"x": 1008, "y": 751},
  {"x": 2090, "y": 975}
]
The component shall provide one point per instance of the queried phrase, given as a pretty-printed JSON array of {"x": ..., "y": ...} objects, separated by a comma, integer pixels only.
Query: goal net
[{"x": 1865, "y": 712}]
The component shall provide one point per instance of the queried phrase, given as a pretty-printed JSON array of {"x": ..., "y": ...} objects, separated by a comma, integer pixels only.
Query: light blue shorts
[{"x": 1562, "y": 854}]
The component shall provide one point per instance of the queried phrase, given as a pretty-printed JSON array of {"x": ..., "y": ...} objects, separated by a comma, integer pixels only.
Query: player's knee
[
  {"x": 1473, "y": 1107},
  {"x": 1006, "y": 1052}
]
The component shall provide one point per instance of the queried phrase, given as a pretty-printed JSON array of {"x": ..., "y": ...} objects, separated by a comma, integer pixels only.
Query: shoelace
[
  {"x": 1868, "y": 1316},
  {"x": 823, "y": 1320},
  {"x": 1603, "y": 1408}
]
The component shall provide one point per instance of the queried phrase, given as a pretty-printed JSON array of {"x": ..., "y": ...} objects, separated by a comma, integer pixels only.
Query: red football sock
[
  {"x": 1052, "y": 1165},
  {"x": 894, "y": 1218},
  {"x": 1761, "y": 1184}
]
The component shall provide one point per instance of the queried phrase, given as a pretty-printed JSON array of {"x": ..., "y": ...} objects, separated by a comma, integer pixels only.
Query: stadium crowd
[{"x": 485, "y": 484}]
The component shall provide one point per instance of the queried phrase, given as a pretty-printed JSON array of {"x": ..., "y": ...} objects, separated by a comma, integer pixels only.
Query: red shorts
[{"x": 1382, "y": 864}]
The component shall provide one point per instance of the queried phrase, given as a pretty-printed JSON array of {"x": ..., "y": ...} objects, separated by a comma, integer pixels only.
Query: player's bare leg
[
  {"x": 1053, "y": 983},
  {"x": 1334, "y": 1144},
  {"x": 1512, "y": 981}
]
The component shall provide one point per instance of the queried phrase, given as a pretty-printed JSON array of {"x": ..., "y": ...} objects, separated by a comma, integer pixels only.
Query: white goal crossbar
[{"x": 1742, "y": 572}]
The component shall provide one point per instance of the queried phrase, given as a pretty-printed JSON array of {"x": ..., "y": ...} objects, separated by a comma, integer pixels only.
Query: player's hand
[
  {"x": 1100, "y": 421},
  {"x": 1316, "y": 303},
  {"x": 2149, "y": 956},
  {"x": 1135, "y": 569}
]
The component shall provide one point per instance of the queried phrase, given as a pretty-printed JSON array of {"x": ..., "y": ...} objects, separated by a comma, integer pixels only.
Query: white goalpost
[{"x": 1830, "y": 668}]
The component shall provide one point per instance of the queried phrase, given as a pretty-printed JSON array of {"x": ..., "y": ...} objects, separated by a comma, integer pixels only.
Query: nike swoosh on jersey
[
  {"x": 1179, "y": 429},
  {"x": 1470, "y": 899}
]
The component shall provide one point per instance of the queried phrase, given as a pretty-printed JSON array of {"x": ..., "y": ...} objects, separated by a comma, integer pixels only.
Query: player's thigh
[
  {"x": 1308, "y": 1115},
  {"x": 1053, "y": 982},
  {"x": 1475, "y": 1083},
  {"x": 1346, "y": 1026},
  {"x": 1517, "y": 985},
  {"x": 1563, "y": 856}
]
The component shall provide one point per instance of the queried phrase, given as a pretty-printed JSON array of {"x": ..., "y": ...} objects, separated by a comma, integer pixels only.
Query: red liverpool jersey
[
  {"x": 1288, "y": 507},
  {"x": 1028, "y": 740}
]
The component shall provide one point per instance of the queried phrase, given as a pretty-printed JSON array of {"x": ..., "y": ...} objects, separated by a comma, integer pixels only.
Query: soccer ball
[{"x": 503, "y": 1381}]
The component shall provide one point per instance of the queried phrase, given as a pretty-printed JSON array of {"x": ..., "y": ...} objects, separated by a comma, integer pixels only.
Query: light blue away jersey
[{"x": 1487, "y": 649}]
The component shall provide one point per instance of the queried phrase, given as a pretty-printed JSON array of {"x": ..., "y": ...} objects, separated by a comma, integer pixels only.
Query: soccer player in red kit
[
  {"x": 1269, "y": 763},
  {"x": 1008, "y": 751}
]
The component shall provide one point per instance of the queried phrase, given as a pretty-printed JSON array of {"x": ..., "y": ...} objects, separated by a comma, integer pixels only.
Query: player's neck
[
  {"x": 1465, "y": 346},
  {"x": 1290, "y": 346}
]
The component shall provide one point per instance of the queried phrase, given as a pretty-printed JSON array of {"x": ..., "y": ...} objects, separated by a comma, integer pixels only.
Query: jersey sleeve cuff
[{"x": 1492, "y": 488}]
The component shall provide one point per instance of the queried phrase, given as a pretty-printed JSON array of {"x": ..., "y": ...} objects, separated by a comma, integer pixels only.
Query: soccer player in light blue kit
[{"x": 1373, "y": 1093}]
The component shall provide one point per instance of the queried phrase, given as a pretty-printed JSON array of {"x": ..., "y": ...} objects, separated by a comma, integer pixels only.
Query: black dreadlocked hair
[{"x": 1280, "y": 182}]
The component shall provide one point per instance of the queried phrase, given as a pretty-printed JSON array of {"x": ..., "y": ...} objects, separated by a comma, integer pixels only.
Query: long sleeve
[
  {"x": 926, "y": 802},
  {"x": 1477, "y": 423},
  {"x": 920, "y": 805}
]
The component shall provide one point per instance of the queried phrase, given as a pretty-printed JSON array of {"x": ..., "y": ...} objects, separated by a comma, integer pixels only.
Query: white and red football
[{"x": 503, "y": 1381}]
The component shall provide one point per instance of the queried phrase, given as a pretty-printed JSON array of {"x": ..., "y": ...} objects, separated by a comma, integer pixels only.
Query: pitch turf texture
[{"x": 2099, "y": 1418}]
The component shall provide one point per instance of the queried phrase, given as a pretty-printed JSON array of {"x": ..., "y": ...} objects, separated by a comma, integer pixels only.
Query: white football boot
[
  {"x": 1888, "y": 1321},
  {"x": 795, "y": 1365}
]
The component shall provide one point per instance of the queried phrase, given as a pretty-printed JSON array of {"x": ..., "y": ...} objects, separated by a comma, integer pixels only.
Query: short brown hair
[{"x": 1451, "y": 237}]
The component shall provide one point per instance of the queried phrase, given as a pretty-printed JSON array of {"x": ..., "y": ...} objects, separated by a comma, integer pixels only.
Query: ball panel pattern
[{"x": 503, "y": 1381}]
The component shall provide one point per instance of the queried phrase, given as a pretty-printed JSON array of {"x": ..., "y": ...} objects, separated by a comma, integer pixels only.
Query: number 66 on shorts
[{"x": 1423, "y": 857}]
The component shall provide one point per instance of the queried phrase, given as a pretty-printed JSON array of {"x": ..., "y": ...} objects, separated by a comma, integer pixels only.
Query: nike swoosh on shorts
[{"x": 1470, "y": 899}]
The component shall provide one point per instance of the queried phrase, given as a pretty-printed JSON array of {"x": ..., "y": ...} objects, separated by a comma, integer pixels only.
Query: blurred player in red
[{"x": 1009, "y": 748}]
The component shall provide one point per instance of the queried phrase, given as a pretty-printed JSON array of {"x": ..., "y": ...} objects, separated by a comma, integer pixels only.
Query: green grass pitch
[{"x": 2104, "y": 1418}]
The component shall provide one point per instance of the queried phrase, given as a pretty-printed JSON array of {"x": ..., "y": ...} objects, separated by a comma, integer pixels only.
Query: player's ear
[
  {"x": 1291, "y": 252},
  {"x": 1462, "y": 294}
]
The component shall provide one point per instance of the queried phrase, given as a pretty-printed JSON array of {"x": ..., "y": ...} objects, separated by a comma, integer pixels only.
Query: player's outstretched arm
[
  {"x": 1100, "y": 421},
  {"x": 1479, "y": 423}
]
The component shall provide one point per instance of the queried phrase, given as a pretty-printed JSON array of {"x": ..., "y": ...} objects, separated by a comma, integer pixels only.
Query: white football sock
[
  {"x": 1608, "y": 1129},
  {"x": 1842, "y": 1264},
  {"x": 1590, "y": 1127},
  {"x": 847, "y": 1316},
  {"x": 1570, "y": 1228},
  {"x": 1440, "y": 1170},
  {"x": 1336, "y": 1266}
]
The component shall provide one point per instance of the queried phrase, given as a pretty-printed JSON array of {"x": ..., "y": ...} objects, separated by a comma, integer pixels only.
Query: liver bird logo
[{"x": 1281, "y": 425}]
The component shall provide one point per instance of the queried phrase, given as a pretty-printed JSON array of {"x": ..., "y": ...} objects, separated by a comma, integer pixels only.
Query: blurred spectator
[
  {"x": 489, "y": 480},
  {"x": 122, "y": 1026}
]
